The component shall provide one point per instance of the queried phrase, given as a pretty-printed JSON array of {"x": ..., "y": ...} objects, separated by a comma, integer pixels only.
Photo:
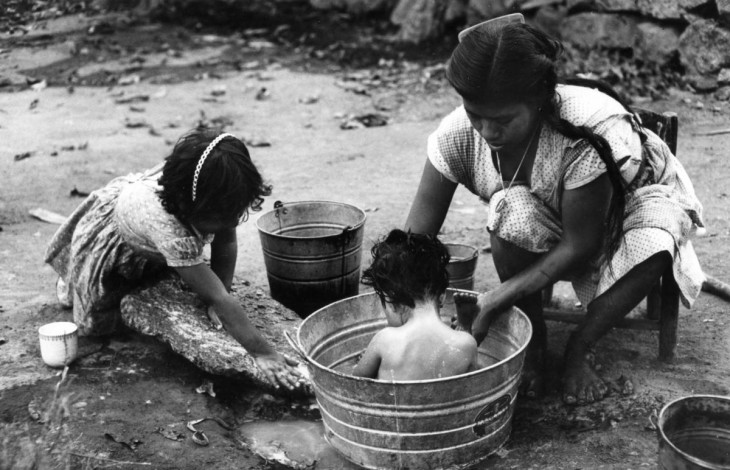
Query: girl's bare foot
[
  {"x": 581, "y": 383},
  {"x": 467, "y": 309}
]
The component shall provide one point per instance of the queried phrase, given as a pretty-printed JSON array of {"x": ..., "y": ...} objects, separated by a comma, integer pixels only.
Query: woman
[{"x": 576, "y": 189}]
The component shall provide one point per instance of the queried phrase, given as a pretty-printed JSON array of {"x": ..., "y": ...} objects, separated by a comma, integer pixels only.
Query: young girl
[
  {"x": 409, "y": 274},
  {"x": 140, "y": 223}
]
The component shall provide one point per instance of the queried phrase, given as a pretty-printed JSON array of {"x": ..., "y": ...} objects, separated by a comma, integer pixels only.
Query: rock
[
  {"x": 704, "y": 47},
  {"x": 354, "y": 6},
  {"x": 419, "y": 19},
  {"x": 723, "y": 78},
  {"x": 481, "y": 10},
  {"x": 660, "y": 9},
  {"x": 176, "y": 316},
  {"x": 455, "y": 10},
  {"x": 603, "y": 5},
  {"x": 656, "y": 42},
  {"x": 723, "y": 93},
  {"x": 723, "y": 10},
  {"x": 550, "y": 19},
  {"x": 702, "y": 83},
  {"x": 692, "y": 4},
  {"x": 588, "y": 30}
]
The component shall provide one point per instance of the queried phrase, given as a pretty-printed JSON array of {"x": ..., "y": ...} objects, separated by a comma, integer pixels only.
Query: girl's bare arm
[
  {"x": 223, "y": 254},
  {"x": 206, "y": 283}
]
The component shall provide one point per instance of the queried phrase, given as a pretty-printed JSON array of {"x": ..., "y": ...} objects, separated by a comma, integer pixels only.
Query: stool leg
[{"x": 669, "y": 318}]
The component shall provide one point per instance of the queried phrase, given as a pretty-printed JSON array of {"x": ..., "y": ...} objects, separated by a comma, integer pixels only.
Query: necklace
[{"x": 503, "y": 202}]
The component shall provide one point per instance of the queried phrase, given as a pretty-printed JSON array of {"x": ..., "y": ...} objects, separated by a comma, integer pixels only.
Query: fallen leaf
[{"x": 171, "y": 434}]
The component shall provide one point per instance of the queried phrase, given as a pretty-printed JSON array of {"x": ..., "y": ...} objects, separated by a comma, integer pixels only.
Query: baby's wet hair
[
  {"x": 229, "y": 184},
  {"x": 407, "y": 267}
]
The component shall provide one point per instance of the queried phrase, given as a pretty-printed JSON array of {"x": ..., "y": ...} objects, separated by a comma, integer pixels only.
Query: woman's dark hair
[
  {"x": 407, "y": 267},
  {"x": 228, "y": 186},
  {"x": 516, "y": 63}
]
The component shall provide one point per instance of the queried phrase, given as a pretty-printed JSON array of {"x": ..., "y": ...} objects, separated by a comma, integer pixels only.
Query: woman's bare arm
[
  {"x": 584, "y": 214},
  {"x": 431, "y": 203}
]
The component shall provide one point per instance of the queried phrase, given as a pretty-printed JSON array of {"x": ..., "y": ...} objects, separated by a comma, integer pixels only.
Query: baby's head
[
  {"x": 407, "y": 268},
  {"x": 212, "y": 191}
]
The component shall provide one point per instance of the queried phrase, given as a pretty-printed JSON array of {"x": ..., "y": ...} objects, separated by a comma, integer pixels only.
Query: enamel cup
[{"x": 59, "y": 343}]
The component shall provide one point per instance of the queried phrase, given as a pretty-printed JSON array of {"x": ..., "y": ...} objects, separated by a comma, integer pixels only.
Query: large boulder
[
  {"x": 419, "y": 20},
  {"x": 354, "y": 6},
  {"x": 660, "y": 9},
  {"x": 481, "y": 10},
  {"x": 603, "y": 5},
  {"x": 176, "y": 316},
  {"x": 656, "y": 42},
  {"x": 723, "y": 10},
  {"x": 589, "y": 30},
  {"x": 704, "y": 47}
]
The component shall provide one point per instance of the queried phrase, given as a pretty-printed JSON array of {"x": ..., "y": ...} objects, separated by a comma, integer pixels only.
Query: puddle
[{"x": 298, "y": 444}]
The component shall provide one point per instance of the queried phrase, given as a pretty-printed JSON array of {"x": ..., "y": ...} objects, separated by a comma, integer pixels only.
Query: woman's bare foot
[
  {"x": 581, "y": 383},
  {"x": 467, "y": 309}
]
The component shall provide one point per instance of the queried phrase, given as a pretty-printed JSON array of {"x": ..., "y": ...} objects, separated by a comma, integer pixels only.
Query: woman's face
[{"x": 505, "y": 127}]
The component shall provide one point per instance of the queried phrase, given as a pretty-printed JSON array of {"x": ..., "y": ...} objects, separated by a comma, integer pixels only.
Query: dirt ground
[{"x": 119, "y": 90}]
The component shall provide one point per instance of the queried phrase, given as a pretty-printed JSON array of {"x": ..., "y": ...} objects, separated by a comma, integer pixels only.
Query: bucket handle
[{"x": 295, "y": 346}]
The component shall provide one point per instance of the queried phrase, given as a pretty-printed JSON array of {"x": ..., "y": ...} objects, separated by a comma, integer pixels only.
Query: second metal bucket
[
  {"x": 312, "y": 252},
  {"x": 694, "y": 433},
  {"x": 462, "y": 265}
]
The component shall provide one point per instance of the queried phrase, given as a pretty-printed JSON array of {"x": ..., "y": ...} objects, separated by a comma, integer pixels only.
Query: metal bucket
[
  {"x": 312, "y": 252},
  {"x": 462, "y": 265},
  {"x": 694, "y": 433},
  {"x": 447, "y": 423}
]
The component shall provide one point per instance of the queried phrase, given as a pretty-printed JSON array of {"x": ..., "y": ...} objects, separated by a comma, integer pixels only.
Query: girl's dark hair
[
  {"x": 516, "y": 63},
  {"x": 407, "y": 267},
  {"x": 228, "y": 186}
]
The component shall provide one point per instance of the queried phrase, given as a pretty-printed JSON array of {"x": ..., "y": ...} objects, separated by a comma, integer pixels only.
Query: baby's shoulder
[{"x": 463, "y": 340}]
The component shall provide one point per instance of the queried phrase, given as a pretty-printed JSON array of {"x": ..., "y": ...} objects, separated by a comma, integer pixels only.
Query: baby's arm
[
  {"x": 369, "y": 364},
  {"x": 276, "y": 368},
  {"x": 223, "y": 254}
]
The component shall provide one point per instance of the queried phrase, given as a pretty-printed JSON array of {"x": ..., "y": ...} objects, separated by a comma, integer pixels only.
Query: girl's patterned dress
[
  {"x": 111, "y": 241},
  {"x": 662, "y": 211}
]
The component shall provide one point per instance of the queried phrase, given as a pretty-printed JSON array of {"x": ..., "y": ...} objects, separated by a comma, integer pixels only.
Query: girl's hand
[{"x": 278, "y": 370}]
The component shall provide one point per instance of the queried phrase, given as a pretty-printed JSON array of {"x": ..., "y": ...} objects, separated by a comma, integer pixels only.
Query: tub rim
[
  {"x": 302, "y": 353},
  {"x": 665, "y": 439},
  {"x": 320, "y": 201}
]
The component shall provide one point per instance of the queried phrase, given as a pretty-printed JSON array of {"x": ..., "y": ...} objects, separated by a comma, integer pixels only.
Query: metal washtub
[{"x": 445, "y": 423}]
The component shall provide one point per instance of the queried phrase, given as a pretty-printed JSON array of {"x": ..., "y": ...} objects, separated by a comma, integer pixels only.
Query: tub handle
[{"x": 295, "y": 346}]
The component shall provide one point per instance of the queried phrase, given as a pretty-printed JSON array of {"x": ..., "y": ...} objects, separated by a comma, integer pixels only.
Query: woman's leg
[
  {"x": 581, "y": 384},
  {"x": 509, "y": 260}
]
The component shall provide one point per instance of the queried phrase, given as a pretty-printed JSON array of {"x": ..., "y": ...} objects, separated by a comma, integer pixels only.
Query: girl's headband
[
  {"x": 494, "y": 22},
  {"x": 208, "y": 149}
]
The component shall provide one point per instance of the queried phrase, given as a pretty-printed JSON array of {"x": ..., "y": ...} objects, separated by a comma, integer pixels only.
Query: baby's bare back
[{"x": 421, "y": 354}]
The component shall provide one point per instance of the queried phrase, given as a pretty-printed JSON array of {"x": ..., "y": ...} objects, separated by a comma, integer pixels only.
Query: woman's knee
[{"x": 509, "y": 259}]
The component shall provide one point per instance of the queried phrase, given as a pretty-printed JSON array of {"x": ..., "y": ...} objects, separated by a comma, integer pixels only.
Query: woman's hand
[
  {"x": 488, "y": 311},
  {"x": 278, "y": 370}
]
